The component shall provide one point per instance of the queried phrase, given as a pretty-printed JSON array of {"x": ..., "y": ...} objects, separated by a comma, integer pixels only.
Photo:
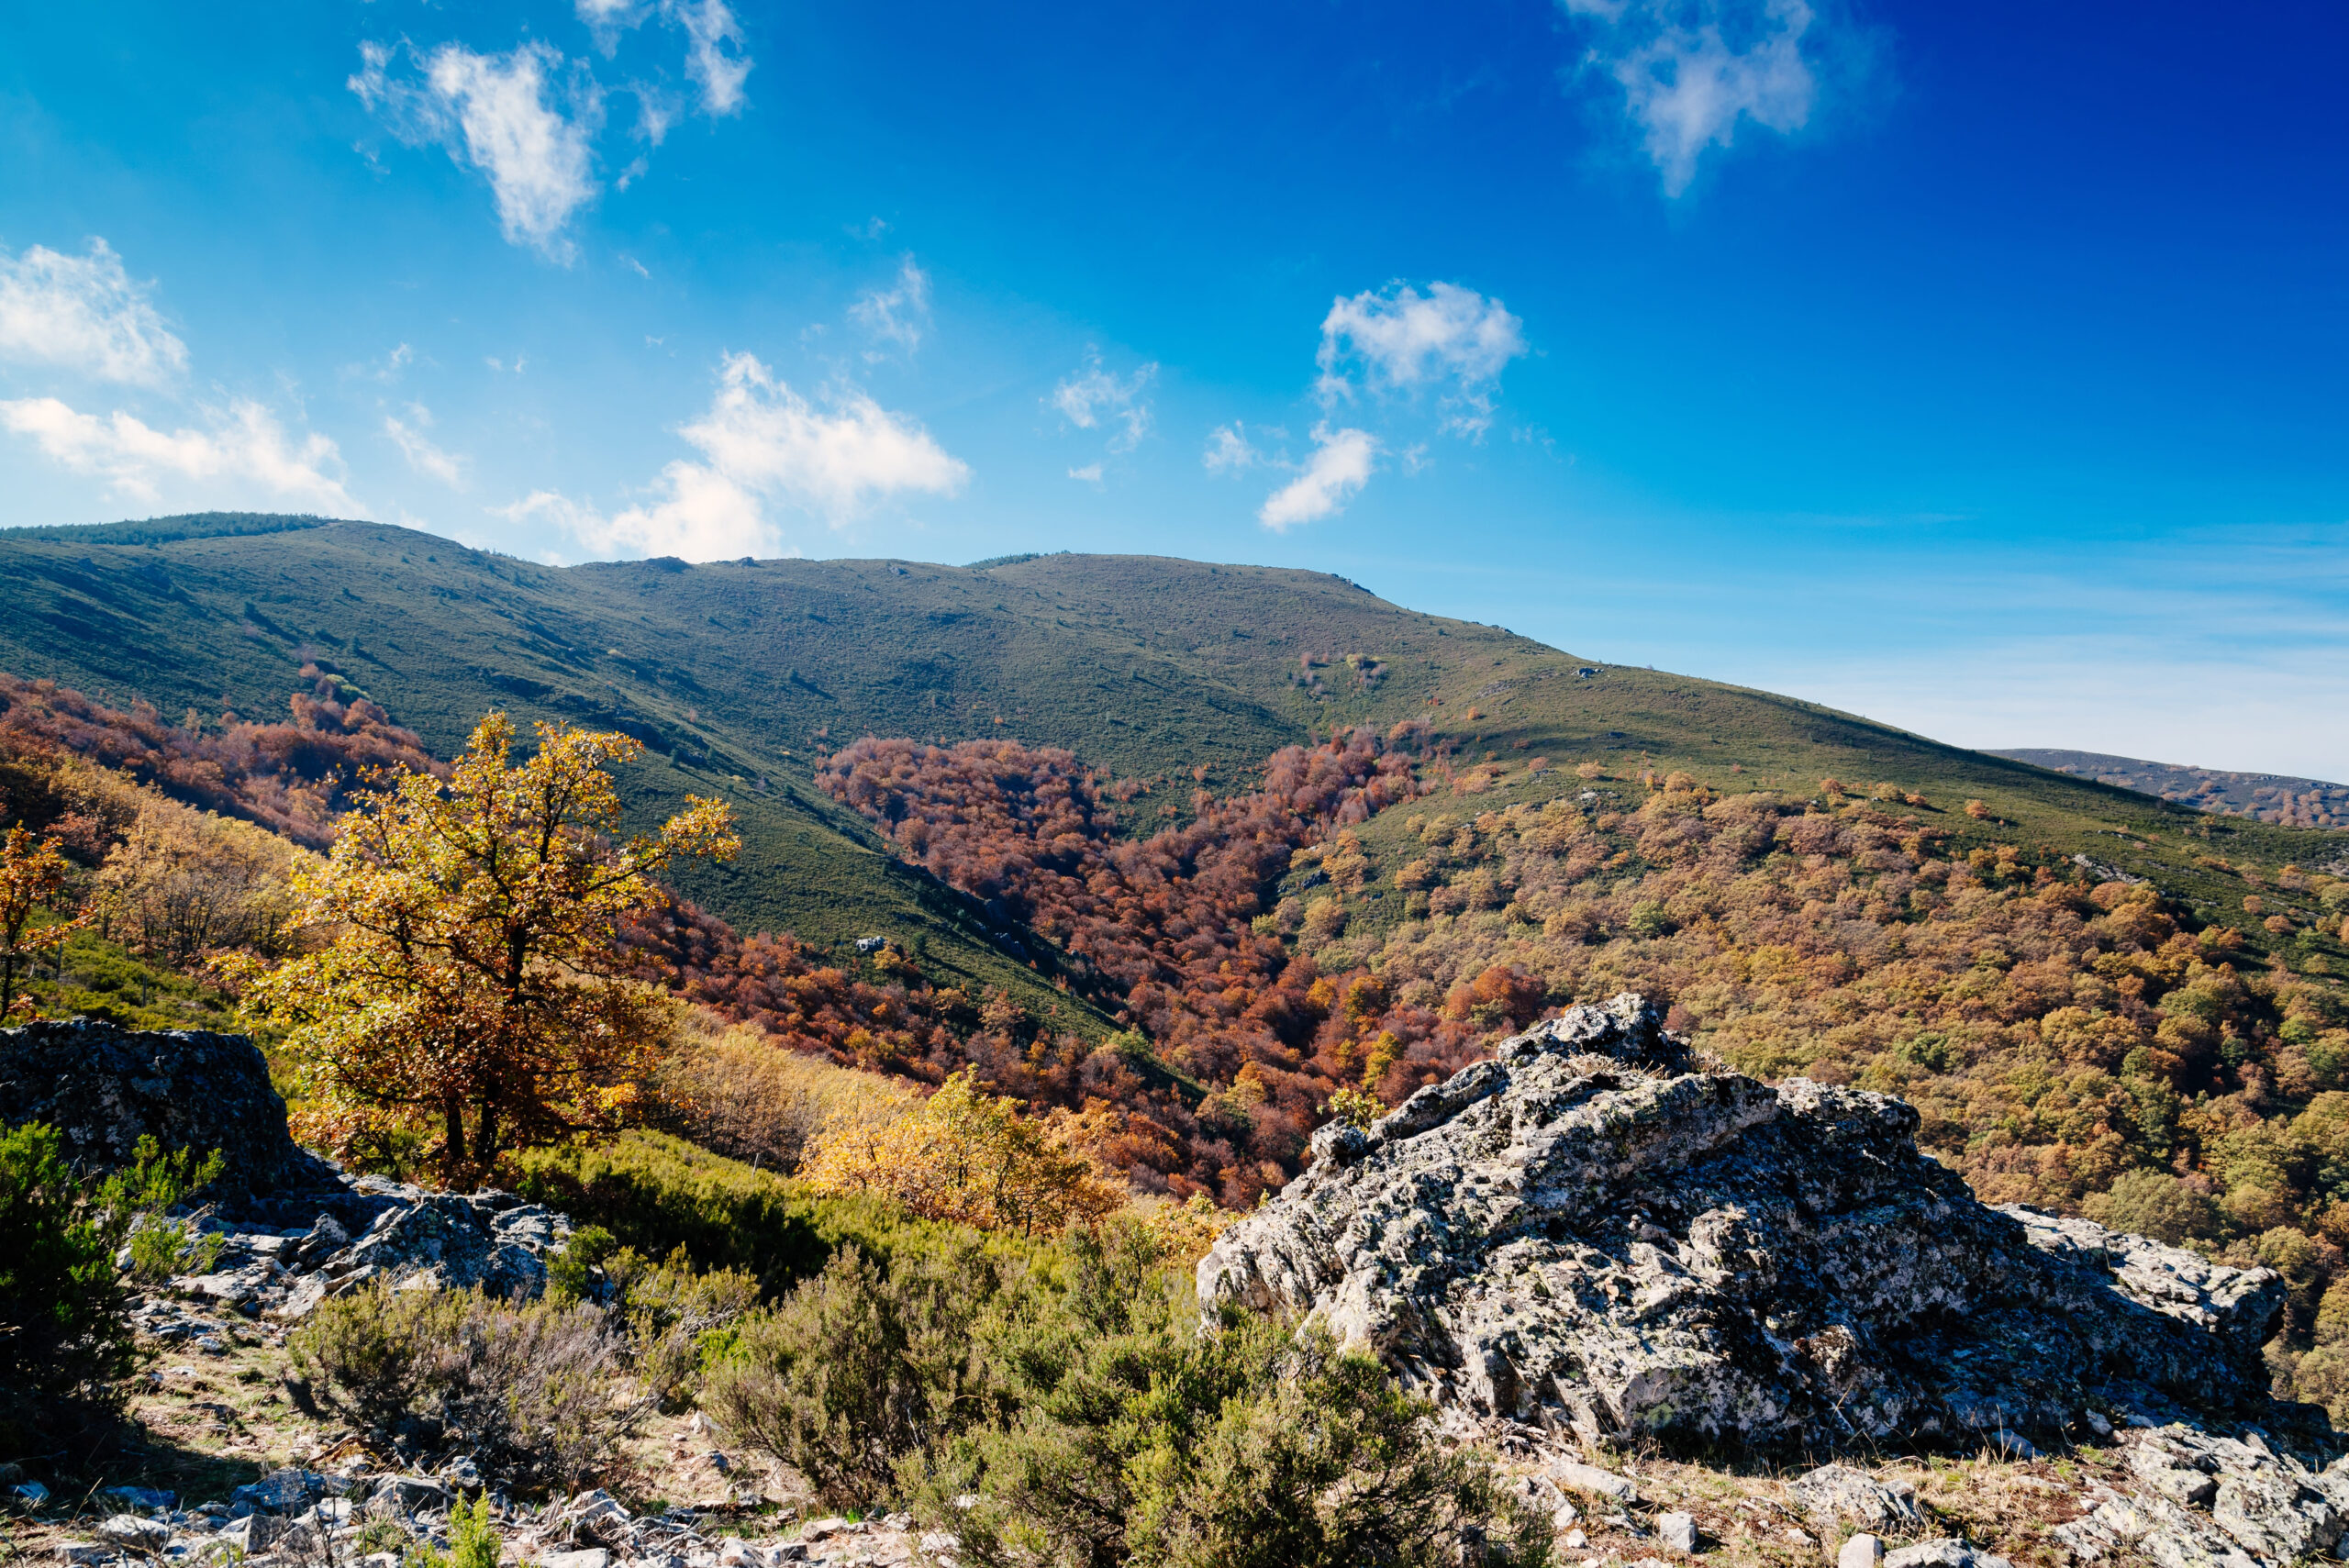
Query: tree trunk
[
  {"x": 485, "y": 1130},
  {"x": 453, "y": 1153}
]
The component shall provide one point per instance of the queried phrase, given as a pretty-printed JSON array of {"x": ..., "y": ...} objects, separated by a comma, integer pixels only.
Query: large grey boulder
[
  {"x": 1593, "y": 1230},
  {"x": 104, "y": 1087}
]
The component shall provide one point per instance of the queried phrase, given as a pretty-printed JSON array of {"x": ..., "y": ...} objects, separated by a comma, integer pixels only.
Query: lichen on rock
[{"x": 1596, "y": 1230}]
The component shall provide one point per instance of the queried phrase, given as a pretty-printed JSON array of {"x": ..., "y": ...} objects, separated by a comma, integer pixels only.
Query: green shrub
[
  {"x": 679, "y": 1320},
  {"x": 58, "y": 1302},
  {"x": 858, "y": 1369},
  {"x": 143, "y": 1192},
  {"x": 1234, "y": 1444},
  {"x": 473, "y": 1541},
  {"x": 656, "y": 1194},
  {"x": 572, "y": 1268},
  {"x": 62, "y": 1329},
  {"x": 530, "y": 1389}
]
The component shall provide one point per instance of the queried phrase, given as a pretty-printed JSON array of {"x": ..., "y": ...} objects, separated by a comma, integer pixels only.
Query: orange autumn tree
[
  {"x": 31, "y": 876},
  {"x": 471, "y": 973}
]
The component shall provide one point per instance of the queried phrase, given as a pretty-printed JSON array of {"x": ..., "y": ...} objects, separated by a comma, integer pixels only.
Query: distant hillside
[
  {"x": 1166, "y": 676},
  {"x": 2265, "y": 797}
]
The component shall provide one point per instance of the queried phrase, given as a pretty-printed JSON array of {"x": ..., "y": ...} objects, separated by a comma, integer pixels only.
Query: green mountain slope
[{"x": 742, "y": 675}]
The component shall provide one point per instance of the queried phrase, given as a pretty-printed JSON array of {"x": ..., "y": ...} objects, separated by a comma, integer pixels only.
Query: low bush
[
  {"x": 1234, "y": 1443},
  {"x": 473, "y": 1538},
  {"x": 656, "y": 1194},
  {"x": 1073, "y": 1411},
  {"x": 532, "y": 1390},
  {"x": 858, "y": 1369},
  {"x": 675, "y": 1316},
  {"x": 747, "y": 1095},
  {"x": 63, "y": 1330}
]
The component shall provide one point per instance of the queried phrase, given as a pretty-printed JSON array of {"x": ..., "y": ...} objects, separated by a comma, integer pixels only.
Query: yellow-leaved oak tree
[
  {"x": 31, "y": 874},
  {"x": 468, "y": 975}
]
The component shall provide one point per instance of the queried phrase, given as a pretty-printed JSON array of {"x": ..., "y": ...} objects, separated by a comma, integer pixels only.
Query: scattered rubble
[
  {"x": 357, "y": 1518},
  {"x": 1837, "y": 1493},
  {"x": 491, "y": 1240}
]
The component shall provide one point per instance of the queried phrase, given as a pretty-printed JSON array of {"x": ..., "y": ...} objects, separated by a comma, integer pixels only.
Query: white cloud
[
  {"x": 1229, "y": 451},
  {"x": 505, "y": 115},
  {"x": 900, "y": 315},
  {"x": 386, "y": 369},
  {"x": 421, "y": 454},
  {"x": 1403, "y": 340},
  {"x": 655, "y": 112},
  {"x": 609, "y": 18},
  {"x": 1094, "y": 398},
  {"x": 1090, "y": 473},
  {"x": 84, "y": 313},
  {"x": 1340, "y": 466},
  {"x": 762, "y": 442},
  {"x": 244, "y": 457},
  {"x": 714, "y": 56},
  {"x": 1690, "y": 70}
]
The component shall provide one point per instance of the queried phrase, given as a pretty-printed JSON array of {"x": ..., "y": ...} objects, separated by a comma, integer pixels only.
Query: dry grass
[
  {"x": 753, "y": 1099},
  {"x": 1745, "y": 1512}
]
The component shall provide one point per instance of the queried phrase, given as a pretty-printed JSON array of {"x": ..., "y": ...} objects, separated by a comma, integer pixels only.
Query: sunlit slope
[{"x": 1178, "y": 672}]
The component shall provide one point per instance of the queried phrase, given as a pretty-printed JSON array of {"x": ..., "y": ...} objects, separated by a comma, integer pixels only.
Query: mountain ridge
[
  {"x": 2283, "y": 798},
  {"x": 1170, "y": 676}
]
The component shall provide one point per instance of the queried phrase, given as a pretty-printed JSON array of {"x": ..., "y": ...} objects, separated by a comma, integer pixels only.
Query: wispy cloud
[
  {"x": 386, "y": 370},
  {"x": 714, "y": 57},
  {"x": 1398, "y": 339},
  {"x": 1093, "y": 398},
  {"x": 421, "y": 454},
  {"x": 899, "y": 314},
  {"x": 246, "y": 448},
  {"x": 761, "y": 443},
  {"x": 1090, "y": 473},
  {"x": 1340, "y": 466},
  {"x": 525, "y": 119},
  {"x": 86, "y": 315},
  {"x": 1229, "y": 452},
  {"x": 1692, "y": 70}
]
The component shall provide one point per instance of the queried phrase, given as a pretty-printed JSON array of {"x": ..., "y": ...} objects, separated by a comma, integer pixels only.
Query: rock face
[
  {"x": 294, "y": 1229},
  {"x": 103, "y": 1087},
  {"x": 1593, "y": 1230}
]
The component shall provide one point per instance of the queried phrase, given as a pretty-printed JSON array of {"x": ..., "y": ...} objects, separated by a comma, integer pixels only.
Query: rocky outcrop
[
  {"x": 490, "y": 1239},
  {"x": 104, "y": 1087},
  {"x": 1594, "y": 1231},
  {"x": 293, "y": 1230}
]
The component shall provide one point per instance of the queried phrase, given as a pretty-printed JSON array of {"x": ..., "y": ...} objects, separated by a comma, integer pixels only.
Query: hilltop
[
  {"x": 2266, "y": 797},
  {"x": 1170, "y": 676}
]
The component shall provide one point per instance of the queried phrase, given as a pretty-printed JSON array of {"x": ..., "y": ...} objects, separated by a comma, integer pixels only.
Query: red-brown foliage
[
  {"x": 1167, "y": 927},
  {"x": 290, "y": 778}
]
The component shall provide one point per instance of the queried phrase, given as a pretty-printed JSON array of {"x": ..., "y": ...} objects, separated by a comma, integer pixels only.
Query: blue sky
[{"x": 1978, "y": 368}]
